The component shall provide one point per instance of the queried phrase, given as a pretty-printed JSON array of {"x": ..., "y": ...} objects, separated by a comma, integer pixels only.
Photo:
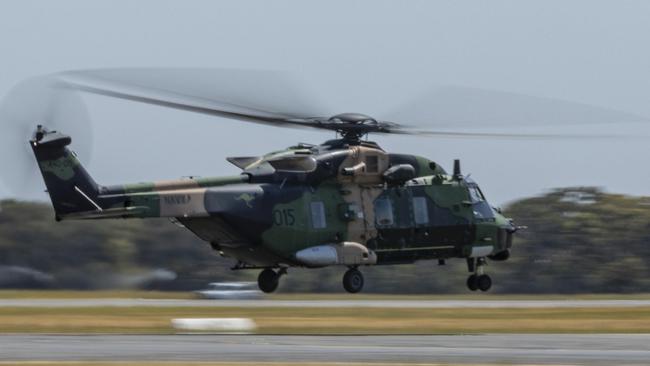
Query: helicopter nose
[{"x": 512, "y": 227}]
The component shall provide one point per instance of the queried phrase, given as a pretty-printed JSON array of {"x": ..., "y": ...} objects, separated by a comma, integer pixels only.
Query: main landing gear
[
  {"x": 268, "y": 280},
  {"x": 353, "y": 280},
  {"x": 478, "y": 280}
]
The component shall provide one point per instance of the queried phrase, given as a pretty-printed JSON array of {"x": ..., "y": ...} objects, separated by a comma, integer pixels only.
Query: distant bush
[{"x": 579, "y": 240}]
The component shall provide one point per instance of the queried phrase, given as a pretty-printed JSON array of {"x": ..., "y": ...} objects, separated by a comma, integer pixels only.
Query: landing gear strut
[
  {"x": 353, "y": 280},
  {"x": 478, "y": 280},
  {"x": 268, "y": 280}
]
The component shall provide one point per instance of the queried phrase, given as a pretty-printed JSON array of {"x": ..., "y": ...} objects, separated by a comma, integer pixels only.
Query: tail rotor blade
[{"x": 30, "y": 103}]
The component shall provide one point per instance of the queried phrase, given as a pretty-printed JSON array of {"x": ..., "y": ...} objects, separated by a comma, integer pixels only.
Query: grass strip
[{"x": 333, "y": 320}]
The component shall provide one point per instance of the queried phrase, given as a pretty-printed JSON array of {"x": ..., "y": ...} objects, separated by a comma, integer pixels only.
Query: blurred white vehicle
[{"x": 231, "y": 290}]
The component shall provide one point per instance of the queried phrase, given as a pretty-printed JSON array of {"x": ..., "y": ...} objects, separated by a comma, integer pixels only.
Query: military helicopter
[{"x": 345, "y": 202}]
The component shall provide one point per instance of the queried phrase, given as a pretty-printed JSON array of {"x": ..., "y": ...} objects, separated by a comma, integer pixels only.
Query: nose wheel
[
  {"x": 353, "y": 281},
  {"x": 478, "y": 280}
]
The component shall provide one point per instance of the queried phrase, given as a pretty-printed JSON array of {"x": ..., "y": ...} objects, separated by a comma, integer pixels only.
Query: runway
[
  {"x": 489, "y": 348},
  {"x": 378, "y": 303}
]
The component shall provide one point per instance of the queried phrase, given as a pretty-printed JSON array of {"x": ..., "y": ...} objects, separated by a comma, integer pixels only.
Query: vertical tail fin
[{"x": 69, "y": 185}]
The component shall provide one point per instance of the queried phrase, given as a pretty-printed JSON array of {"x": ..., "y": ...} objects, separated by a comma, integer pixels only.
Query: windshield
[
  {"x": 481, "y": 208},
  {"x": 475, "y": 194}
]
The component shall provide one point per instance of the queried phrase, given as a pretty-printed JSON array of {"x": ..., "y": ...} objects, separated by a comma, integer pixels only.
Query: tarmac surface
[
  {"x": 606, "y": 349},
  {"x": 377, "y": 303}
]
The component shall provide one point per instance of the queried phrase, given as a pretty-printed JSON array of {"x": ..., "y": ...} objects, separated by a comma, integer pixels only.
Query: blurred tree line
[{"x": 578, "y": 240}]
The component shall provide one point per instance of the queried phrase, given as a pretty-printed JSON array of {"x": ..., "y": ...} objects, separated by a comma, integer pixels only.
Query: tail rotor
[{"x": 37, "y": 101}]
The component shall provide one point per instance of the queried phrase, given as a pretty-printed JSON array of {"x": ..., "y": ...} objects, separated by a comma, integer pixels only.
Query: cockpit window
[
  {"x": 481, "y": 208},
  {"x": 475, "y": 194}
]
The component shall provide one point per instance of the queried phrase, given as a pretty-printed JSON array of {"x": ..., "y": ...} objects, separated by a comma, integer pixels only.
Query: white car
[{"x": 231, "y": 291}]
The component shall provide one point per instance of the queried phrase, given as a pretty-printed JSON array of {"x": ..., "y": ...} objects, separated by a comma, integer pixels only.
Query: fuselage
[
  {"x": 345, "y": 202},
  {"x": 284, "y": 203}
]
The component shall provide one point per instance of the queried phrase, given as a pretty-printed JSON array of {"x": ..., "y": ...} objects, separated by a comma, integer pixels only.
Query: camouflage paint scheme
[{"x": 291, "y": 200}]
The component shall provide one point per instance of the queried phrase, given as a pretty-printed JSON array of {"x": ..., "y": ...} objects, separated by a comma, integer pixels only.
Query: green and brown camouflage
[{"x": 308, "y": 205}]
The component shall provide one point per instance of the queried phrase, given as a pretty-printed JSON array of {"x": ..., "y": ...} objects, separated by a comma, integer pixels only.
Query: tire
[
  {"x": 353, "y": 281},
  {"x": 472, "y": 282},
  {"x": 484, "y": 283},
  {"x": 268, "y": 280}
]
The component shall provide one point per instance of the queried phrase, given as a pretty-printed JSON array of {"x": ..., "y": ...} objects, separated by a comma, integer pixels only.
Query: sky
[{"x": 373, "y": 57}]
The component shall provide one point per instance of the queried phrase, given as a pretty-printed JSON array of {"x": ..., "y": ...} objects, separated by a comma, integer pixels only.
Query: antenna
[{"x": 457, "y": 174}]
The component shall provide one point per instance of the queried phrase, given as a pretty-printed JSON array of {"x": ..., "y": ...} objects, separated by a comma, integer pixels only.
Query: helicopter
[{"x": 344, "y": 202}]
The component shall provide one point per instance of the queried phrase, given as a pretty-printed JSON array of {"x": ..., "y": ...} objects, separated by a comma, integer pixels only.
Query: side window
[
  {"x": 318, "y": 220},
  {"x": 383, "y": 212},
  {"x": 420, "y": 211}
]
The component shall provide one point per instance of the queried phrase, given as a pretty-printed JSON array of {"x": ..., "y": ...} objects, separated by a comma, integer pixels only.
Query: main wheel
[
  {"x": 484, "y": 282},
  {"x": 472, "y": 282},
  {"x": 268, "y": 280},
  {"x": 353, "y": 281}
]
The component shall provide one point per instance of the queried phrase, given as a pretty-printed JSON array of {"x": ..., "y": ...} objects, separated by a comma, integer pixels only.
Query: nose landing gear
[{"x": 478, "y": 280}]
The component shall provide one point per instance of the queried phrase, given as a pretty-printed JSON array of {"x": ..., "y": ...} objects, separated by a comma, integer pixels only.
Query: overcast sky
[{"x": 364, "y": 56}]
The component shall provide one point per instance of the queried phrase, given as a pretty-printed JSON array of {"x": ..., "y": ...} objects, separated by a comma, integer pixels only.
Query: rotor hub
[
  {"x": 353, "y": 118},
  {"x": 353, "y": 126}
]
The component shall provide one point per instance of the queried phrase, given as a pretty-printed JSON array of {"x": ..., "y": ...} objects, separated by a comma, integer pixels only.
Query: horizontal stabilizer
[
  {"x": 107, "y": 213},
  {"x": 243, "y": 162}
]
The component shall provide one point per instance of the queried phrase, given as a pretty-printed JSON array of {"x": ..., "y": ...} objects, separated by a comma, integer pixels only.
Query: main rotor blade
[
  {"x": 272, "y": 98},
  {"x": 503, "y": 135},
  {"x": 251, "y": 96},
  {"x": 459, "y": 107}
]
